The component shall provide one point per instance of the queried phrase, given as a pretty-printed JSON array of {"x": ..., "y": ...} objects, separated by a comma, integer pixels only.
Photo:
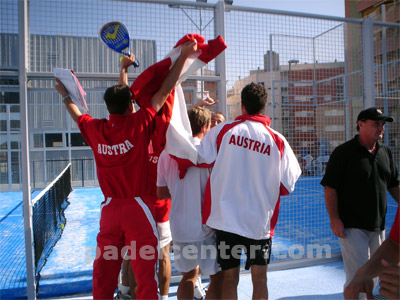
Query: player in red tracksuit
[
  {"x": 161, "y": 213},
  {"x": 120, "y": 146}
]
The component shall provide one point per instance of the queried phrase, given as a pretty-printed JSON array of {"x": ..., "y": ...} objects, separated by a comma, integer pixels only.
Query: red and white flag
[{"x": 172, "y": 124}]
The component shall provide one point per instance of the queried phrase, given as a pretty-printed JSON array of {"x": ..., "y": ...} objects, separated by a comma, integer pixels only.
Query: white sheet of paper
[{"x": 71, "y": 83}]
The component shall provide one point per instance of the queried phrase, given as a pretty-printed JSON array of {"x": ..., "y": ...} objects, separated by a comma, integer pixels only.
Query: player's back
[
  {"x": 120, "y": 147},
  {"x": 253, "y": 165}
]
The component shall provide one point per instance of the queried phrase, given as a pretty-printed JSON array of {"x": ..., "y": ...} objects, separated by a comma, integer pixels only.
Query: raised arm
[
  {"x": 125, "y": 63},
  {"x": 207, "y": 101},
  {"x": 170, "y": 81},
  {"x": 71, "y": 107}
]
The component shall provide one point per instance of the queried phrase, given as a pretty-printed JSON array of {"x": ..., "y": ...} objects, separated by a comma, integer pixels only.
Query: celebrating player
[
  {"x": 253, "y": 166},
  {"x": 186, "y": 220}
]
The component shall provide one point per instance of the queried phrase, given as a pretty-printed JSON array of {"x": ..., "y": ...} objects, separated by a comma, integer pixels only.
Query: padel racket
[{"x": 116, "y": 36}]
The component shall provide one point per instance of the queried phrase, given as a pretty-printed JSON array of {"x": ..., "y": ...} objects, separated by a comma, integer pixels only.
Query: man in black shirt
[{"x": 357, "y": 177}]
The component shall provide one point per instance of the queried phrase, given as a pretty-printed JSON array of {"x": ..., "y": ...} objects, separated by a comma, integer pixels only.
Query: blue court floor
[
  {"x": 317, "y": 282},
  {"x": 68, "y": 271}
]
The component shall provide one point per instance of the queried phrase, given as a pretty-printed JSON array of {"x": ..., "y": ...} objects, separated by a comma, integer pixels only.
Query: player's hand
[
  {"x": 361, "y": 283},
  {"x": 337, "y": 228},
  {"x": 352, "y": 291},
  {"x": 206, "y": 102},
  {"x": 61, "y": 88},
  {"x": 127, "y": 61},
  {"x": 389, "y": 280},
  {"x": 189, "y": 48}
]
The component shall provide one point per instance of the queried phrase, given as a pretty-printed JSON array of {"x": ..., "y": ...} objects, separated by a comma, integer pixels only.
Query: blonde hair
[{"x": 198, "y": 117}]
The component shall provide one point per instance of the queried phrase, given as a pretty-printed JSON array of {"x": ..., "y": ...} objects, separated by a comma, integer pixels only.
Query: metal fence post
[
  {"x": 384, "y": 72},
  {"x": 368, "y": 62},
  {"x": 23, "y": 94},
  {"x": 220, "y": 61},
  {"x": 83, "y": 178}
]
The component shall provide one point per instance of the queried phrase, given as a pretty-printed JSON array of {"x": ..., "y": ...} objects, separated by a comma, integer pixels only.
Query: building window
[
  {"x": 3, "y": 142},
  {"x": 190, "y": 95},
  {"x": 9, "y": 97},
  {"x": 8, "y": 81},
  {"x": 38, "y": 141},
  {"x": 53, "y": 140},
  {"x": 15, "y": 125},
  {"x": 3, "y": 125},
  {"x": 53, "y": 57},
  {"x": 14, "y": 108},
  {"x": 334, "y": 113},
  {"x": 300, "y": 98},
  {"x": 77, "y": 140},
  {"x": 14, "y": 140},
  {"x": 15, "y": 145},
  {"x": 304, "y": 128},
  {"x": 334, "y": 128},
  {"x": 3, "y": 168},
  {"x": 339, "y": 96},
  {"x": 304, "y": 114},
  {"x": 15, "y": 162}
]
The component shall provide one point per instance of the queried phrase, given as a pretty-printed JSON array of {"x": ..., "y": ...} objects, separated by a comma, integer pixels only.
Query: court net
[{"x": 48, "y": 219}]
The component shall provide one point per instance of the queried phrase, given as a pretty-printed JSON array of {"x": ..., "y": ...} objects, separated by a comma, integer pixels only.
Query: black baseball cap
[{"x": 374, "y": 114}]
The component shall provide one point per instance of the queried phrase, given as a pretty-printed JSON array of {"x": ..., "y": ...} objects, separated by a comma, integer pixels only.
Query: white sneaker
[
  {"x": 199, "y": 292},
  {"x": 121, "y": 296}
]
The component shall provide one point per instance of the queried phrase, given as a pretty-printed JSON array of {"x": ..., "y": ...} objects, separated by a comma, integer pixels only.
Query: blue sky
[{"x": 320, "y": 7}]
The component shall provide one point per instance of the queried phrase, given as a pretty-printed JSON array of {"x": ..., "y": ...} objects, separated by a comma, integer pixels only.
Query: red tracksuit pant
[{"x": 126, "y": 224}]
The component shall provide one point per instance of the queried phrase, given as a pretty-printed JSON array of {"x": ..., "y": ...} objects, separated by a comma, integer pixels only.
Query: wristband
[{"x": 65, "y": 97}]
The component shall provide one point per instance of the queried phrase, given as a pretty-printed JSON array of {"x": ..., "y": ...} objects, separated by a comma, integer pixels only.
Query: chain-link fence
[{"x": 319, "y": 73}]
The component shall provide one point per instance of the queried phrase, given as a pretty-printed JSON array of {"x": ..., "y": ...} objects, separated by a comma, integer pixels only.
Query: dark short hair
[
  {"x": 117, "y": 99},
  {"x": 254, "y": 98},
  {"x": 198, "y": 117},
  {"x": 218, "y": 113}
]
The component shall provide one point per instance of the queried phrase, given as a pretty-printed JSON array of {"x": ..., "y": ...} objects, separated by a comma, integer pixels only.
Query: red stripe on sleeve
[
  {"x": 274, "y": 218},
  {"x": 224, "y": 130},
  {"x": 283, "y": 191},
  {"x": 278, "y": 141}
]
